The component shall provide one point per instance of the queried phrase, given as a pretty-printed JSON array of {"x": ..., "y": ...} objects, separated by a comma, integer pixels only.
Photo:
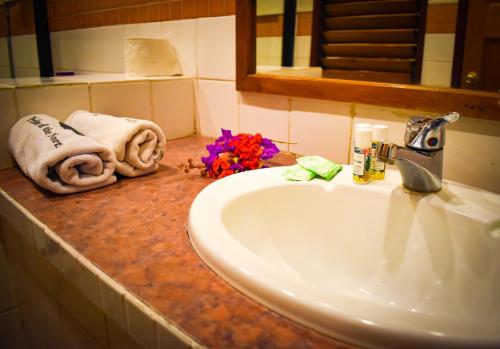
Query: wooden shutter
[{"x": 374, "y": 40}]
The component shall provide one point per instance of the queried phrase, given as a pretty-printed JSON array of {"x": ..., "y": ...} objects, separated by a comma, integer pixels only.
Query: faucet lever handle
[{"x": 428, "y": 134}]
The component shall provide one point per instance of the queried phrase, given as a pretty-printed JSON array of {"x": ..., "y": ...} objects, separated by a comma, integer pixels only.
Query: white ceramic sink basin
[{"x": 374, "y": 265}]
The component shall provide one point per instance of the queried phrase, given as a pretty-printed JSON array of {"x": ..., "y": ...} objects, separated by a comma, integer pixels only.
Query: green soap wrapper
[
  {"x": 319, "y": 165},
  {"x": 298, "y": 173}
]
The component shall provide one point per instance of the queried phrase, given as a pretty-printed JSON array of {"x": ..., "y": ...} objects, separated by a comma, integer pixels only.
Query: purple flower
[
  {"x": 237, "y": 167},
  {"x": 270, "y": 149},
  {"x": 232, "y": 154}
]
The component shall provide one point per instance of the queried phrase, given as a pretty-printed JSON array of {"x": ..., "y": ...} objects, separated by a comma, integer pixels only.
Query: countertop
[{"x": 136, "y": 232}]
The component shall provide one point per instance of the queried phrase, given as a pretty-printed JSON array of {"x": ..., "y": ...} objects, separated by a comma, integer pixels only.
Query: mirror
[
  {"x": 292, "y": 82},
  {"x": 24, "y": 39},
  {"x": 404, "y": 41}
]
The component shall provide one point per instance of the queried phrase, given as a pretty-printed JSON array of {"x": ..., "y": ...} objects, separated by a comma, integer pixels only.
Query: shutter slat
[
  {"x": 372, "y": 21},
  {"x": 371, "y": 36},
  {"x": 370, "y": 50},
  {"x": 377, "y": 64},
  {"x": 371, "y": 7}
]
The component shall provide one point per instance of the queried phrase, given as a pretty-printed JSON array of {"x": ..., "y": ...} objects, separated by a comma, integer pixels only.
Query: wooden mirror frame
[{"x": 476, "y": 104}]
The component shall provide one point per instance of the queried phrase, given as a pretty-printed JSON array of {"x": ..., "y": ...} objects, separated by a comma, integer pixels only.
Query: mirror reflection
[
  {"x": 18, "y": 45},
  {"x": 440, "y": 43}
]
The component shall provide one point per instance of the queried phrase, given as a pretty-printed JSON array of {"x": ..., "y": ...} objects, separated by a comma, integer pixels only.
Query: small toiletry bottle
[
  {"x": 377, "y": 168},
  {"x": 361, "y": 155}
]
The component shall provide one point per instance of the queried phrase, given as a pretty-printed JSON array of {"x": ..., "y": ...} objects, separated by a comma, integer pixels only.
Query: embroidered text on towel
[{"x": 49, "y": 132}]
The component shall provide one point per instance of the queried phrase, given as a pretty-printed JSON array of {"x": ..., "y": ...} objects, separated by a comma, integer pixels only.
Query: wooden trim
[
  {"x": 483, "y": 105},
  {"x": 246, "y": 40}
]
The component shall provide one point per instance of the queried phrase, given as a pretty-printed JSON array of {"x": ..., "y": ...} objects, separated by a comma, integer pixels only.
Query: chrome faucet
[{"x": 421, "y": 160}]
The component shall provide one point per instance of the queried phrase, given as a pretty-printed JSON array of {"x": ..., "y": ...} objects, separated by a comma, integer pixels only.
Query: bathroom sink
[{"x": 375, "y": 265}]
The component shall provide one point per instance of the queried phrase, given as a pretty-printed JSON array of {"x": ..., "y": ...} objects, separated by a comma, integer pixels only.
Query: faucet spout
[
  {"x": 421, "y": 171},
  {"x": 421, "y": 160}
]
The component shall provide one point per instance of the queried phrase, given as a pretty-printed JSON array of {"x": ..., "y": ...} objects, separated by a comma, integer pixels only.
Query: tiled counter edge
[{"x": 136, "y": 318}]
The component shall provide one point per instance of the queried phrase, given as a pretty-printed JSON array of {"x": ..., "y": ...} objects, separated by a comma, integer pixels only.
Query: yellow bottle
[
  {"x": 361, "y": 155},
  {"x": 377, "y": 168}
]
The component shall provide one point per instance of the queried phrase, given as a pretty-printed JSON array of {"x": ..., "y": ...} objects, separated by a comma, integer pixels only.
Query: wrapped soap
[
  {"x": 298, "y": 173},
  {"x": 320, "y": 166}
]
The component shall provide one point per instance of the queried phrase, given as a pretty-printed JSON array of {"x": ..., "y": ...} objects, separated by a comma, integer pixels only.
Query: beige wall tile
[
  {"x": 7, "y": 119},
  {"x": 41, "y": 312},
  {"x": 119, "y": 339},
  {"x": 6, "y": 292},
  {"x": 167, "y": 339},
  {"x": 132, "y": 99},
  {"x": 182, "y": 35},
  {"x": 19, "y": 282},
  {"x": 140, "y": 325},
  {"x": 70, "y": 268},
  {"x": 302, "y": 49},
  {"x": 24, "y": 51},
  {"x": 439, "y": 47},
  {"x": 436, "y": 73},
  {"x": 320, "y": 128},
  {"x": 471, "y": 153},
  {"x": 40, "y": 239},
  {"x": 31, "y": 338},
  {"x": 217, "y": 107},
  {"x": 269, "y": 50},
  {"x": 266, "y": 114},
  {"x": 12, "y": 241},
  {"x": 19, "y": 221},
  {"x": 149, "y": 30},
  {"x": 216, "y": 47},
  {"x": 26, "y": 72},
  {"x": 53, "y": 253},
  {"x": 75, "y": 336},
  {"x": 82, "y": 310},
  {"x": 90, "y": 283},
  {"x": 38, "y": 266},
  {"x": 112, "y": 302},
  {"x": 173, "y": 107},
  {"x": 57, "y": 101},
  {"x": 11, "y": 332}
]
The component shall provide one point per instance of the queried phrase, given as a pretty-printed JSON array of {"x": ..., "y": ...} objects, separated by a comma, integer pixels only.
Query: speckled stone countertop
[{"x": 136, "y": 232}]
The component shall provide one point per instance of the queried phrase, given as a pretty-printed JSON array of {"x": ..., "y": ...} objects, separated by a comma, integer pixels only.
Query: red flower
[{"x": 232, "y": 154}]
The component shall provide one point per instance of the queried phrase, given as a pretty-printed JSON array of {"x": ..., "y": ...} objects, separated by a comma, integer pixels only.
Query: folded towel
[
  {"x": 59, "y": 158},
  {"x": 138, "y": 144}
]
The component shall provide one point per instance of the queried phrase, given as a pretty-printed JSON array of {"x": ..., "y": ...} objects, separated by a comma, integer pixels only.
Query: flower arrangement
[{"x": 232, "y": 154}]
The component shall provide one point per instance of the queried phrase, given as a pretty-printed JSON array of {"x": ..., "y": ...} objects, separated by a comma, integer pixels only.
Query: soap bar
[
  {"x": 319, "y": 165},
  {"x": 298, "y": 173}
]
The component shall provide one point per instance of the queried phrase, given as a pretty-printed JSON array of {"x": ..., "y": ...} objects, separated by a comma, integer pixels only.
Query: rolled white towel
[
  {"x": 138, "y": 145},
  {"x": 59, "y": 158}
]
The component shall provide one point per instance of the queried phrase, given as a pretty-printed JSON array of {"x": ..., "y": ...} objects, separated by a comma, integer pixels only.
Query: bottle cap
[
  {"x": 380, "y": 133},
  {"x": 363, "y": 137},
  {"x": 362, "y": 125}
]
